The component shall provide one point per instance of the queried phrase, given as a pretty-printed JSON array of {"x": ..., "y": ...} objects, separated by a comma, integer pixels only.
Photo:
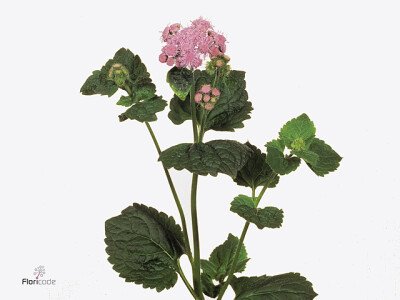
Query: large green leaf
[
  {"x": 180, "y": 111},
  {"x": 98, "y": 83},
  {"x": 219, "y": 156},
  {"x": 289, "y": 286},
  {"x": 232, "y": 107},
  {"x": 270, "y": 217},
  {"x": 180, "y": 80},
  {"x": 297, "y": 133},
  {"x": 328, "y": 160},
  {"x": 221, "y": 259},
  {"x": 143, "y": 245},
  {"x": 278, "y": 162},
  {"x": 144, "y": 111},
  {"x": 256, "y": 172}
]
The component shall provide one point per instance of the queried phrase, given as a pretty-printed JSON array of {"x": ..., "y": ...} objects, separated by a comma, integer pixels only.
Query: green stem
[
  {"x": 196, "y": 243},
  {"x": 176, "y": 198},
  {"x": 194, "y": 114},
  {"x": 202, "y": 126},
  {"x": 242, "y": 236},
  {"x": 185, "y": 281}
]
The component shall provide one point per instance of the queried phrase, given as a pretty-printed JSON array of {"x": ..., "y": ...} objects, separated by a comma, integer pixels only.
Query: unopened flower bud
[
  {"x": 208, "y": 106},
  {"x": 119, "y": 74},
  {"x": 219, "y": 63},
  {"x": 213, "y": 100},
  {"x": 198, "y": 97},
  {"x": 226, "y": 57},
  {"x": 170, "y": 61},
  {"x": 216, "y": 92},
  {"x": 162, "y": 58},
  {"x": 206, "y": 88},
  {"x": 298, "y": 144},
  {"x": 206, "y": 98}
]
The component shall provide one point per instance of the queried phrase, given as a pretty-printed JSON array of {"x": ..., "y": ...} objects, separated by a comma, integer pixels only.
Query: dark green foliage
[
  {"x": 209, "y": 288},
  {"x": 138, "y": 85},
  {"x": 217, "y": 267},
  {"x": 219, "y": 156},
  {"x": 270, "y": 217},
  {"x": 256, "y": 172},
  {"x": 280, "y": 163},
  {"x": 289, "y": 286},
  {"x": 328, "y": 159},
  {"x": 144, "y": 111},
  {"x": 180, "y": 80},
  {"x": 231, "y": 109},
  {"x": 144, "y": 245}
]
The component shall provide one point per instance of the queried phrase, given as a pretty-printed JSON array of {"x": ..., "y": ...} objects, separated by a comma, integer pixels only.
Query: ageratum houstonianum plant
[{"x": 145, "y": 245}]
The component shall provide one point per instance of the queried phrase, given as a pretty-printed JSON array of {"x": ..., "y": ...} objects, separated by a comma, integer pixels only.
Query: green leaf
[
  {"x": 143, "y": 245},
  {"x": 289, "y": 286},
  {"x": 307, "y": 155},
  {"x": 209, "y": 288},
  {"x": 232, "y": 107},
  {"x": 221, "y": 259},
  {"x": 144, "y": 111},
  {"x": 219, "y": 156},
  {"x": 180, "y": 80},
  {"x": 98, "y": 83},
  {"x": 328, "y": 159},
  {"x": 125, "y": 101},
  {"x": 143, "y": 89},
  {"x": 270, "y": 217},
  {"x": 278, "y": 162},
  {"x": 256, "y": 172},
  {"x": 180, "y": 111},
  {"x": 297, "y": 133}
]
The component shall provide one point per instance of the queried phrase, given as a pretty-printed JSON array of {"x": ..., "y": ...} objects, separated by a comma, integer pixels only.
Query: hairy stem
[
  {"x": 242, "y": 236},
  {"x": 185, "y": 281},
  {"x": 194, "y": 113},
  {"x": 176, "y": 198}
]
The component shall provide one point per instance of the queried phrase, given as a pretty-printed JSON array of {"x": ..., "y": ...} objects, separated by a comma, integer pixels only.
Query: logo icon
[{"x": 39, "y": 271}]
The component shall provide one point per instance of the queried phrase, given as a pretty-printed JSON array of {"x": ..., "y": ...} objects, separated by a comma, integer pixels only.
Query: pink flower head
[
  {"x": 216, "y": 92},
  {"x": 189, "y": 46},
  {"x": 162, "y": 58},
  {"x": 170, "y": 61},
  {"x": 170, "y": 50},
  {"x": 206, "y": 88},
  {"x": 198, "y": 97},
  {"x": 206, "y": 98},
  {"x": 208, "y": 106},
  {"x": 214, "y": 51}
]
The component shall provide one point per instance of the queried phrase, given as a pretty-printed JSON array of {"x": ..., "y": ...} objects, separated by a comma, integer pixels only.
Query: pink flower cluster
[
  {"x": 188, "y": 47},
  {"x": 207, "y": 97}
]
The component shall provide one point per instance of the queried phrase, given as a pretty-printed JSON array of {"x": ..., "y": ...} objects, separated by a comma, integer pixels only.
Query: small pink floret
[
  {"x": 198, "y": 97},
  {"x": 206, "y": 88},
  {"x": 170, "y": 61},
  {"x": 216, "y": 92},
  {"x": 214, "y": 51},
  {"x": 162, "y": 58},
  {"x": 170, "y": 50},
  {"x": 206, "y": 98}
]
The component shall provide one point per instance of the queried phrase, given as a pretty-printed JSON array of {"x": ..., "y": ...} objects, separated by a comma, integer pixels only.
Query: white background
[{"x": 67, "y": 164}]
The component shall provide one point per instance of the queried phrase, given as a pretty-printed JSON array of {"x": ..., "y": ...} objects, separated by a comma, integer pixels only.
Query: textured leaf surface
[
  {"x": 289, "y": 286},
  {"x": 125, "y": 101},
  {"x": 298, "y": 128},
  {"x": 180, "y": 80},
  {"x": 328, "y": 159},
  {"x": 256, "y": 172},
  {"x": 143, "y": 245},
  {"x": 221, "y": 259},
  {"x": 144, "y": 111},
  {"x": 232, "y": 107},
  {"x": 270, "y": 217},
  {"x": 98, "y": 83},
  {"x": 277, "y": 160},
  {"x": 209, "y": 288},
  {"x": 219, "y": 156}
]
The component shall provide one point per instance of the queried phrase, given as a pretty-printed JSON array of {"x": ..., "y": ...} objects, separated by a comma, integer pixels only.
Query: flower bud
[
  {"x": 206, "y": 88},
  {"x": 198, "y": 97},
  {"x": 208, "y": 106},
  {"x": 206, "y": 98},
  {"x": 119, "y": 74}
]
